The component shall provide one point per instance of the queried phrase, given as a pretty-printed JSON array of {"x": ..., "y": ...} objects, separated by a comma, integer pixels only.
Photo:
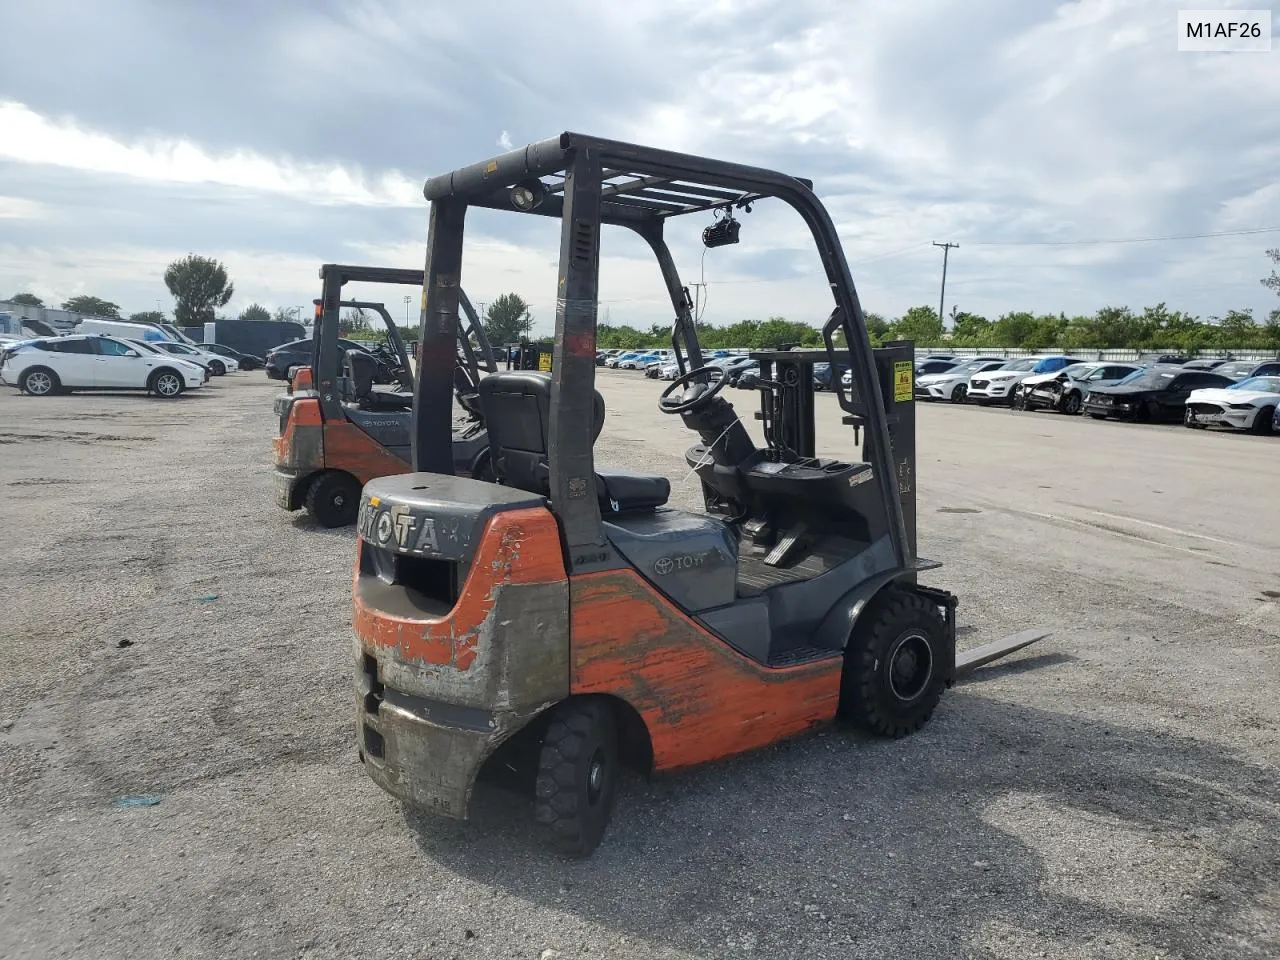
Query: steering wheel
[{"x": 696, "y": 397}]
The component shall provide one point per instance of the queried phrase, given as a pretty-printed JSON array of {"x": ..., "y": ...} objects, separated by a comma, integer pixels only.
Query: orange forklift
[
  {"x": 563, "y": 611},
  {"x": 338, "y": 429}
]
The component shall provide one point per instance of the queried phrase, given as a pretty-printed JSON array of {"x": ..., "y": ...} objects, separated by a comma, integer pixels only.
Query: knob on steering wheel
[{"x": 696, "y": 397}]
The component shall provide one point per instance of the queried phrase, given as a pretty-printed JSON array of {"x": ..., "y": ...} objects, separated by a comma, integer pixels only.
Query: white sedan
[
  {"x": 1248, "y": 405},
  {"x": 215, "y": 364},
  {"x": 94, "y": 362}
]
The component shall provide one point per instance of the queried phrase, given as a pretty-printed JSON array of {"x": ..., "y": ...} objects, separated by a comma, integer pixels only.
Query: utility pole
[
  {"x": 408, "y": 299},
  {"x": 697, "y": 299},
  {"x": 942, "y": 299}
]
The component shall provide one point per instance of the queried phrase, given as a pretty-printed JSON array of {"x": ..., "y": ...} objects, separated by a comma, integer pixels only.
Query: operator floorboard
[{"x": 754, "y": 575}]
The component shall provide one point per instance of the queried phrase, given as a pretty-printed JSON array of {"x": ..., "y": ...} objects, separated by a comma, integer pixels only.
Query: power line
[{"x": 1071, "y": 243}]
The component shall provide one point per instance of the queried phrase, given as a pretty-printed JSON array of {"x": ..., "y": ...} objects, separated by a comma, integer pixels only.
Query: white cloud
[
  {"x": 504, "y": 141},
  {"x": 20, "y": 208},
  {"x": 36, "y": 139}
]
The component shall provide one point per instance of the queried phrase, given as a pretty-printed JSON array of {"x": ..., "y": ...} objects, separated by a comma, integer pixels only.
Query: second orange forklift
[{"x": 338, "y": 429}]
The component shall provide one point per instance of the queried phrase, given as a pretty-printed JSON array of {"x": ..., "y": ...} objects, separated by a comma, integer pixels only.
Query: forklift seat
[
  {"x": 359, "y": 368},
  {"x": 517, "y": 411}
]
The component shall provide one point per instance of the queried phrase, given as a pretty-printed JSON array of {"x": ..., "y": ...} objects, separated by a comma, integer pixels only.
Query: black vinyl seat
[
  {"x": 517, "y": 412},
  {"x": 359, "y": 368}
]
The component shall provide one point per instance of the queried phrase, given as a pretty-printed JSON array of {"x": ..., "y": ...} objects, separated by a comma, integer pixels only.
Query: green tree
[
  {"x": 1272, "y": 282},
  {"x": 1238, "y": 329},
  {"x": 921, "y": 324},
  {"x": 198, "y": 285},
  {"x": 1079, "y": 333},
  {"x": 779, "y": 330},
  {"x": 286, "y": 315},
  {"x": 969, "y": 329},
  {"x": 619, "y": 338},
  {"x": 255, "y": 311},
  {"x": 353, "y": 321},
  {"x": 508, "y": 319},
  {"x": 148, "y": 316},
  {"x": 1271, "y": 331},
  {"x": 877, "y": 327},
  {"x": 95, "y": 306},
  {"x": 27, "y": 300}
]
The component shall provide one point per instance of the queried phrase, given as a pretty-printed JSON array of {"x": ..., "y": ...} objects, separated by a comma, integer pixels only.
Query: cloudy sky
[{"x": 277, "y": 136}]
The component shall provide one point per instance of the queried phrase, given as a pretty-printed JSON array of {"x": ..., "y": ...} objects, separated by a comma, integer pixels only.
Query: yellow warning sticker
[
  {"x": 903, "y": 382},
  {"x": 544, "y": 362}
]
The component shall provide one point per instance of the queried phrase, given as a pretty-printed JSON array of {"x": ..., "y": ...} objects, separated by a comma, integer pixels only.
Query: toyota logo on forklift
[{"x": 583, "y": 623}]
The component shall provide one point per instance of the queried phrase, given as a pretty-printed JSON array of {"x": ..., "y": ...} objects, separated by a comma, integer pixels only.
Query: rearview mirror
[{"x": 132, "y": 353}]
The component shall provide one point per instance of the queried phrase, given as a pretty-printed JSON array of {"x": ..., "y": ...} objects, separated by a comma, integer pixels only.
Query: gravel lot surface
[{"x": 167, "y": 632}]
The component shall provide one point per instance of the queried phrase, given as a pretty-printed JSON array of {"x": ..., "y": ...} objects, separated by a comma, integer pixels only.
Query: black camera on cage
[{"x": 724, "y": 231}]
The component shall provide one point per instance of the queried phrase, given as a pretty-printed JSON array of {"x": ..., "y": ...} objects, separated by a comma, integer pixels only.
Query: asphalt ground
[{"x": 168, "y": 636}]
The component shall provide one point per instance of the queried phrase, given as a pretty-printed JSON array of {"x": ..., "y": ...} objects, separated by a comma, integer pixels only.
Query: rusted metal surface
[
  {"x": 427, "y": 766},
  {"x": 502, "y": 644},
  {"x": 500, "y": 651},
  {"x": 299, "y": 449},
  {"x": 700, "y": 699}
]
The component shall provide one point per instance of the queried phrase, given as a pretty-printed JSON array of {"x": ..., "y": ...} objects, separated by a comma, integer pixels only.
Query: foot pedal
[
  {"x": 779, "y": 554},
  {"x": 758, "y": 532}
]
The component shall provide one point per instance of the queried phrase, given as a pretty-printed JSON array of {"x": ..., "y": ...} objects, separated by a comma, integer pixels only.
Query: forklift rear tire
[
  {"x": 333, "y": 499},
  {"x": 577, "y": 776},
  {"x": 894, "y": 666}
]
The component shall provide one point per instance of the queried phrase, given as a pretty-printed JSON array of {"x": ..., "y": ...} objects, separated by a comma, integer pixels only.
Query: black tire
[
  {"x": 217, "y": 368},
  {"x": 1071, "y": 404},
  {"x": 1264, "y": 420},
  {"x": 960, "y": 394},
  {"x": 578, "y": 771},
  {"x": 333, "y": 499},
  {"x": 895, "y": 667},
  {"x": 40, "y": 382},
  {"x": 166, "y": 383}
]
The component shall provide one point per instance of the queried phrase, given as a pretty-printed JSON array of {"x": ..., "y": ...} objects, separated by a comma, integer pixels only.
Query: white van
[{"x": 128, "y": 329}]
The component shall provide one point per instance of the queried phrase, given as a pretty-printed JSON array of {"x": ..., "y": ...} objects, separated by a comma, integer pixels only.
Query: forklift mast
[
  {"x": 787, "y": 400},
  {"x": 326, "y": 355}
]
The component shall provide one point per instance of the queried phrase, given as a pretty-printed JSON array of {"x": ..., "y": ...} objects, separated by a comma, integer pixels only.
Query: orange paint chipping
[
  {"x": 516, "y": 547},
  {"x": 700, "y": 699}
]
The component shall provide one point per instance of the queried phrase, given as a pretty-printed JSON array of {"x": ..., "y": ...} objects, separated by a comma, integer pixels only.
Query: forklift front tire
[
  {"x": 895, "y": 665},
  {"x": 578, "y": 770},
  {"x": 333, "y": 499}
]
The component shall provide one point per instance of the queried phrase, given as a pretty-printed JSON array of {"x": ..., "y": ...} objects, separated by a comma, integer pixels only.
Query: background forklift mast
[{"x": 338, "y": 430}]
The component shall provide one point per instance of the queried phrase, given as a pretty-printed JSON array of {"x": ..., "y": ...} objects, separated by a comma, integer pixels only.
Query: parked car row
[
  {"x": 52, "y": 365},
  {"x": 106, "y": 353},
  {"x": 1243, "y": 394},
  {"x": 214, "y": 357}
]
